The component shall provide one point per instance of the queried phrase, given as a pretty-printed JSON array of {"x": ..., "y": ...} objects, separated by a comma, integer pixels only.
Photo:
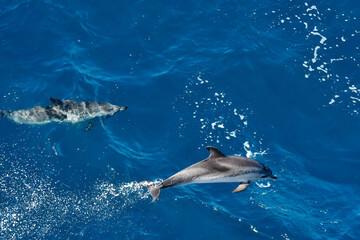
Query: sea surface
[{"x": 277, "y": 81}]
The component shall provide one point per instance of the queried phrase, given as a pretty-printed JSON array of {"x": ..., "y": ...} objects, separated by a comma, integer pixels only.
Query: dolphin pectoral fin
[
  {"x": 214, "y": 152},
  {"x": 90, "y": 125},
  {"x": 56, "y": 101},
  {"x": 241, "y": 187}
]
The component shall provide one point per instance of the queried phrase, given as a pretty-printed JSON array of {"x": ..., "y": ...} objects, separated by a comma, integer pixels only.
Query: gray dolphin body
[
  {"x": 215, "y": 169},
  {"x": 68, "y": 111}
]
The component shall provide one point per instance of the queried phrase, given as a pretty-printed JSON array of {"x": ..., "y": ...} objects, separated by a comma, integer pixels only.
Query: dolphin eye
[{"x": 263, "y": 176}]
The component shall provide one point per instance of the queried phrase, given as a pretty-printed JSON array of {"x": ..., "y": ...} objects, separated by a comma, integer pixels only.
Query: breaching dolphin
[
  {"x": 215, "y": 169},
  {"x": 68, "y": 111}
]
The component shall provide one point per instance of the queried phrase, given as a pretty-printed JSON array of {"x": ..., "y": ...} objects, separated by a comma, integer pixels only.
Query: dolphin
[
  {"x": 215, "y": 169},
  {"x": 67, "y": 111}
]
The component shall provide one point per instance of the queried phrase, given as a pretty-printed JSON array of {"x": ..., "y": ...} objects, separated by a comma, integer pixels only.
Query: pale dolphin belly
[{"x": 239, "y": 179}]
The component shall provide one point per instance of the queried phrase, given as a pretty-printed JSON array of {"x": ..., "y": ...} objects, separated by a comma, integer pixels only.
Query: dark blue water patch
[{"x": 275, "y": 81}]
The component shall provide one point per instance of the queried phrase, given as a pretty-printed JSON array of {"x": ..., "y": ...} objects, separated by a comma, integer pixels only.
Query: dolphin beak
[
  {"x": 273, "y": 177},
  {"x": 121, "y": 109}
]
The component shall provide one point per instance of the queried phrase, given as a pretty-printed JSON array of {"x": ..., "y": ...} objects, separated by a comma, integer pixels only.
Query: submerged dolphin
[
  {"x": 68, "y": 111},
  {"x": 216, "y": 168}
]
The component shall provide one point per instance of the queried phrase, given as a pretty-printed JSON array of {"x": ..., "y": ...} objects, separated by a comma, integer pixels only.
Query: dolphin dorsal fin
[
  {"x": 214, "y": 152},
  {"x": 56, "y": 101}
]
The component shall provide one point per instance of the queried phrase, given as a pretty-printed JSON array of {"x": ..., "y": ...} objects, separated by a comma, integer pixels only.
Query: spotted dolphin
[
  {"x": 67, "y": 111},
  {"x": 215, "y": 169}
]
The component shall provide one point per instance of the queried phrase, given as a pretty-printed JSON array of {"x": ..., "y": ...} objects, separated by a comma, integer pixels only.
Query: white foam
[
  {"x": 54, "y": 148},
  {"x": 261, "y": 185},
  {"x": 249, "y": 153},
  {"x": 246, "y": 147},
  {"x": 314, "y": 32},
  {"x": 201, "y": 81},
  {"x": 315, "y": 54},
  {"x": 336, "y": 59},
  {"x": 354, "y": 89},
  {"x": 357, "y": 99},
  {"x": 320, "y": 68},
  {"x": 254, "y": 229},
  {"x": 217, "y": 128},
  {"x": 130, "y": 191},
  {"x": 313, "y": 7}
]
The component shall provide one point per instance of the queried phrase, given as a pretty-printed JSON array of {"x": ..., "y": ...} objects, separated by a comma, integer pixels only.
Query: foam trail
[{"x": 132, "y": 191}]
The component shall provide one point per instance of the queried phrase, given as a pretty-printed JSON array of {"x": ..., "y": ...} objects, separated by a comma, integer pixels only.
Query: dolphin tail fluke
[
  {"x": 154, "y": 190},
  {"x": 2, "y": 113}
]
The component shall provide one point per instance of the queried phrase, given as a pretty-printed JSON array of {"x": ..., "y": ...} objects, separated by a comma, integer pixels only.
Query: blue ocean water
[{"x": 277, "y": 81}]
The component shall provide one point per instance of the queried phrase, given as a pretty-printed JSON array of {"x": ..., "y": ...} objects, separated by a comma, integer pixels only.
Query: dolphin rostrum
[
  {"x": 68, "y": 111},
  {"x": 215, "y": 169}
]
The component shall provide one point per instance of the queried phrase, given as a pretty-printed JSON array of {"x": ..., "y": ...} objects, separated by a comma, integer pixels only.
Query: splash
[
  {"x": 218, "y": 120},
  {"x": 251, "y": 154},
  {"x": 35, "y": 206},
  {"x": 328, "y": 55}
]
